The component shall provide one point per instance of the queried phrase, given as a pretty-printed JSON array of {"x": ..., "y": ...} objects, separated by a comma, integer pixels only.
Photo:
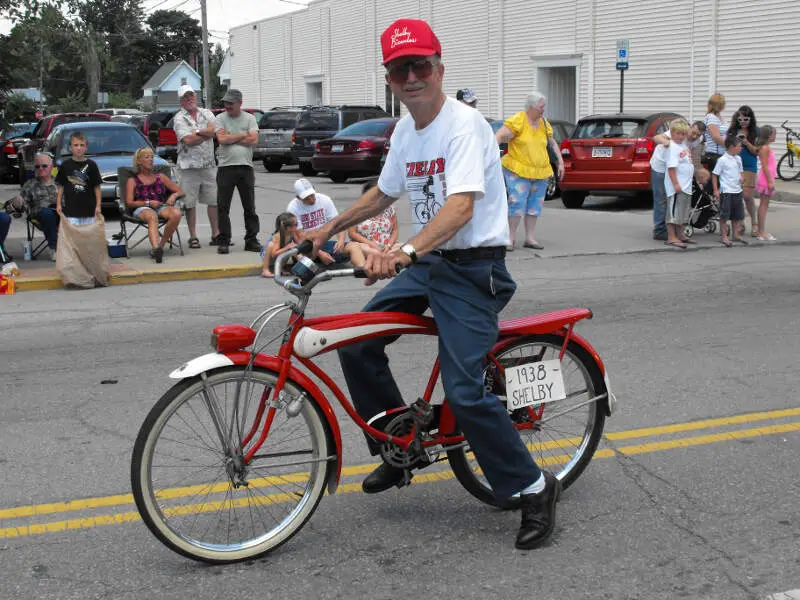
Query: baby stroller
[{"x": 704, "y": 213}]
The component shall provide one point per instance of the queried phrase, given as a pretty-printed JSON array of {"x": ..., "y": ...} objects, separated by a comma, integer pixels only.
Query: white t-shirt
[
  {"x": 729, "y": 170},
  {"x": 456, "y": 153},
  {"x": 658, "y": 162},
  {"x": 679, "y": 157},
  {"x": 314, "y": 216}
]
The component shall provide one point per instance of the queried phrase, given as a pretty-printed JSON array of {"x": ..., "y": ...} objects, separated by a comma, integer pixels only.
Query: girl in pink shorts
[{"x": 765, "y": 184}]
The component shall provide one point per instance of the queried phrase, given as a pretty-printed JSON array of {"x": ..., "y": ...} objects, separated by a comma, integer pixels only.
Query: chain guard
[{"x": 399, "y": 426}]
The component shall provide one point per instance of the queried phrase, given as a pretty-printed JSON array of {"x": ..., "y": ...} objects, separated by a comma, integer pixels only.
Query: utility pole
[
  {"x": 41, "y": 77},
  {"x": 206, "y": 74}
]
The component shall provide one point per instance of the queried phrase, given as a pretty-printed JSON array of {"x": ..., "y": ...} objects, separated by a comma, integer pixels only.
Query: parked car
[
  {"x": 12, "y": 138},
  {"x": 257, "y": 113},
  {"x": 167, "y": 142},
  {"x": 561, "y": 131},
  {"x": 275, "y": 131},
  {"x": 321, "y": 122},
  {"x": 610, "y": 155},
  {"x": 355, "y": 151},
  {"x": 111, "y": 145},
  {"x": 153, "y": 122},
  {"x": 119, "y": 111},
  {"x": 41, "y": 133}
]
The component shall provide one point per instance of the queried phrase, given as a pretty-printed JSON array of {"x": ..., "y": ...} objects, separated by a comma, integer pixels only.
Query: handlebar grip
[
  {"x": 305, "y": 247},
  {"x": 360, "y": 273}
]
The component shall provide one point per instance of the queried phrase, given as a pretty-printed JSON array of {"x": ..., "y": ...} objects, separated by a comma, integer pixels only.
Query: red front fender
[{"x": 302, "y": 380}]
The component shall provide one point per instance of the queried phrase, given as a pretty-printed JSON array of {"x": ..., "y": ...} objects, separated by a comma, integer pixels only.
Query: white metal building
[{"x": 680, "y": 52}]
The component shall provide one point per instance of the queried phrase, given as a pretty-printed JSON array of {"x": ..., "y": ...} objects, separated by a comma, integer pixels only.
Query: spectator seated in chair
[
  {"x": 150, "y": 196},
  {"x": 38, "y": 199}
]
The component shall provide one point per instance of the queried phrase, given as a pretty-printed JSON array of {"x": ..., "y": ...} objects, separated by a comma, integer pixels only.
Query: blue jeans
[
  {"x": 48, "y": 223},
  {"x": 659, "y": 202},
  {"x": 5, "y": 225},
  {"x": 465, "y": 299}
]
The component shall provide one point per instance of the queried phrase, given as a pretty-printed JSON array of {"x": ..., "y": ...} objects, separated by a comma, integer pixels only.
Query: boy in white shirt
[
  {"x": 728, "y": 177},
  {"x": 678, "y": 184}
]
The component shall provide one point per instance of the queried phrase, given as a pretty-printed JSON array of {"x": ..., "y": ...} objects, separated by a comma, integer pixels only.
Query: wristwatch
[{"x": 409, "y": 251}]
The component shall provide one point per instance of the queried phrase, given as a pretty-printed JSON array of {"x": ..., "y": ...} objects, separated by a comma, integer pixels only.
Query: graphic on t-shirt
[
  {"x": 79, "y": 179},
  {"x": 313, "y": 219},
  {"x": 426, "y": 197}
]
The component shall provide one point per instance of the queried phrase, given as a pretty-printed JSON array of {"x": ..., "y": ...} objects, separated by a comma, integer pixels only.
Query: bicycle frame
[{"x": 304, "y": 339}]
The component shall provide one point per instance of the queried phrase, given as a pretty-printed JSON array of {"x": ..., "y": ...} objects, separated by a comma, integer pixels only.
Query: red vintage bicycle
[{"x": 233, "y": 460}]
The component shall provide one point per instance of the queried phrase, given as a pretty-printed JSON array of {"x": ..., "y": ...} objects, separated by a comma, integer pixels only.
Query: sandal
[
  {"x": 688, "y": 241},
  {"x": 742, "y": 241},
  {"x": 725, "y": 243},
  {"x": 194, "y": 243},
  {"x": 676, "y": 244}
]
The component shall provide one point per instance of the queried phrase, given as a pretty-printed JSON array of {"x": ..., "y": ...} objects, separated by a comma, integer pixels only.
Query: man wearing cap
[
  {"x": 313, "y": 210},
  {"x": 444, "y": 156},
  {"x": 237, "y": 133},
  {"x": 468, "y": 97},
  {"x": 197, "y": 169}
]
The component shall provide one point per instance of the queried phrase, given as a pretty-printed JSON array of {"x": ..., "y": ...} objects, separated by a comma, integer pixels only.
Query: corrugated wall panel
[
  {"x": 244, "y": 58},
  {"x": 349, "y": 84},
  {"x": 660, "y": 52},
  {"x": 757, "y": 61},
  {"x": 306, "y": 49},
  {"x": 275, "y": 77}
]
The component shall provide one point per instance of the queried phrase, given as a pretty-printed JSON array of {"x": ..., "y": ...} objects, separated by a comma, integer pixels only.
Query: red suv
[{"x": 609, "y": 155}]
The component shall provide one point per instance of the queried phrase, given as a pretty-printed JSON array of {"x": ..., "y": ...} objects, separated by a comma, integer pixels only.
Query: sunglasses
[
  {"x": 40, "y": 166},
  {"x": 744, "y": 118},
  {"x": 423, "y": 68}
]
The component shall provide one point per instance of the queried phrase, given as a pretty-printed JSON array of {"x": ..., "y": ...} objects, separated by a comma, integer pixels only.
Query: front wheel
[
  {"x": 572, "y": 199},
  {"x": 789, "y": 167},
  {"x": 272, "y": 165},
  {"x": 307, "y": 170},
  {"x": 338, "y": 176},
  {"x": 565, "y": 435},
  {"x": 192, "y": 488}
]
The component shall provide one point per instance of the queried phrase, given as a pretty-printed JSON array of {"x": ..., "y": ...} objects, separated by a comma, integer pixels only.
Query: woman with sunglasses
[
  {"x": 38, "y": 197},
  {"x": 743, "y": 126}
]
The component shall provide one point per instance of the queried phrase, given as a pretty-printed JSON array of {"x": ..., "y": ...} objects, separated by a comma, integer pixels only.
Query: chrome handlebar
[{"x": 293, "y": 284}]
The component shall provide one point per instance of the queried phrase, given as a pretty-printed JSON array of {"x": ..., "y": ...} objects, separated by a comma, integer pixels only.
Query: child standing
[
  {"x": 78, "y": 180},
  {"x": 82, "y": 255},
  {"x": 765, "y": 185},
  {"x": 282, "y": 240},
  {"x": 678, "y": 184},
  {"x": 728, "y": 176}
]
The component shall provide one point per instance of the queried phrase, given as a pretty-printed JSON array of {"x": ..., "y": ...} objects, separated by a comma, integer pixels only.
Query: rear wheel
[
  {"x": 196, "y": 495},
  {"x": 572, "y": 199},
  {"x": 272, "y": 165},
  {"x": 789, "y": 167},
  {"x": 568, "y": 431},
  {"x": 337, "y": 176},
  {"x": 307, "y": 170}
]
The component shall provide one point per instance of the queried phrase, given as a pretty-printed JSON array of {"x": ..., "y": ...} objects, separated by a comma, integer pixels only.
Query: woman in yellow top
[{"x": 526, "y": 167}]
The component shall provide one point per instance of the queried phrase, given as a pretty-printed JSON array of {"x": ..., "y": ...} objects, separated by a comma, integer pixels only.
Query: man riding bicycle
[{"x": 456, "y": 261}]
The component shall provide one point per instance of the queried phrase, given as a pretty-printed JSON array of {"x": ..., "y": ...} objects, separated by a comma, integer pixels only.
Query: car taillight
[
  {"x": 365, "y": 145},
  {"x": 316, "y": 147},
  {"x": 644, "y": 146},
  {"x": 566, "y": 149},
  {"x": 294, "y": 138},
  {"x": 8, "y": 148}
]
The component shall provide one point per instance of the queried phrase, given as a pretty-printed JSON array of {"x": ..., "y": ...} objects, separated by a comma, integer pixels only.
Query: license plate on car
[
  {"x": 598, "y": 152},
  {"x": 534, "y": 383},
  {"x": 337, "y": 148},
  {"x": 313, "y": 142}
]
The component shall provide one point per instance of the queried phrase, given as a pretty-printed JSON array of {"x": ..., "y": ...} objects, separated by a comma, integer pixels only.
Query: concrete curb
[{"x": 34, "y": 283}]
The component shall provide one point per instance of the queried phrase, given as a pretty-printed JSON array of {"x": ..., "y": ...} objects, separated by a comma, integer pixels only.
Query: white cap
[
  {"x": 303, "y": 188},
  {"x": 185, "y": 89}
]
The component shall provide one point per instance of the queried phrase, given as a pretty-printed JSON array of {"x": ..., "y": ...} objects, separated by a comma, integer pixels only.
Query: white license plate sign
[
  {"x": 598, "y": 152},
  {"x": 534, "y": 383},
  {"x": 337, "y": 148},
  {"x": 313, "y": 142}
]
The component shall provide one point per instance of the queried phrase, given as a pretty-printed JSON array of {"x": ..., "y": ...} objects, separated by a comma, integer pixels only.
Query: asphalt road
[{"x": 705, "y": 509}]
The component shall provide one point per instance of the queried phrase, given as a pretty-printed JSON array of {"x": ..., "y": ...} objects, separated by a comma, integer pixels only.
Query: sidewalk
[{"x": 563, "y": 232}]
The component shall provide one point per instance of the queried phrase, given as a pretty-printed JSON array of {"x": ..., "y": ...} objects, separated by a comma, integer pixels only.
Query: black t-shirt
[{"x": 78, "y": 180}]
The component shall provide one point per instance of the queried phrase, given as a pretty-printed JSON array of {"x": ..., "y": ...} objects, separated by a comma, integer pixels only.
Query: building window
[
  {"x": 392, "y": 102},
  {"x": 183, "y": 80},
  {"x": 314, "y": 93}
]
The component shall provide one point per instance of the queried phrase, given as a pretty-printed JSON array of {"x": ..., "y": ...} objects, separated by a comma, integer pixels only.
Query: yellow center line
[
  {"x": 127, "y": 499},
  {"x": 349, "y": 488}
]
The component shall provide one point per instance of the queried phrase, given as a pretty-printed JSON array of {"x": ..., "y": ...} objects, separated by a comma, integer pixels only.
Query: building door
[
  {"x": 392, "y": 102},
  {"x": 558, "y": 84},
  {"x": 314, "y": 93}
]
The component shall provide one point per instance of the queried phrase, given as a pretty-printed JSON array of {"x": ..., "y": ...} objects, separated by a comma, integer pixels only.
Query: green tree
[
  {"x": 72, "y": 102},
  {"x": 175, "y": 36},
  {"x": 20, "y": 108},
  {"x": 216, "y": 90},
  {"x": 121, "y": 100}
]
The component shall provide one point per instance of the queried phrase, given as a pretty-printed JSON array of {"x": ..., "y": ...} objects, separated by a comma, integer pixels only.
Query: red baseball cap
[{"x": 409, "y": 37}]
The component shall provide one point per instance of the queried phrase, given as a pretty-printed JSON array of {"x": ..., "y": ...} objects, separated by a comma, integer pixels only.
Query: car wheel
[
  {"x": 573, "y": 199},
  {"x": 272, "y": 166},
  {"x": 307, "y": 170},
  {"x": 337, "y": 177}
]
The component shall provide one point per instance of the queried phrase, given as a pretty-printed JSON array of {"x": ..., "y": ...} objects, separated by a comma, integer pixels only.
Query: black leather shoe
[
  {"x": 385, "y": 477},
  {"x": 222, "y": 249},
  {"x": 252, "y": 247},
  {"x": 538, "y": 514}
]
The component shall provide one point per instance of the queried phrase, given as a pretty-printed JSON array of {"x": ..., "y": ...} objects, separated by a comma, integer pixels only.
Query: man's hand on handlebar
[
  {"x": 318, "y": 237},
  {"x": 384, "y": 265}
]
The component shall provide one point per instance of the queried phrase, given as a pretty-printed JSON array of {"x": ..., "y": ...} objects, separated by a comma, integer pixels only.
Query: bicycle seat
[{"x": 544, "y": 323}]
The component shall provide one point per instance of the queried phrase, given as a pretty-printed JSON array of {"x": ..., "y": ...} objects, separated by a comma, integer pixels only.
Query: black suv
[{"x": 320, "y": 122}]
